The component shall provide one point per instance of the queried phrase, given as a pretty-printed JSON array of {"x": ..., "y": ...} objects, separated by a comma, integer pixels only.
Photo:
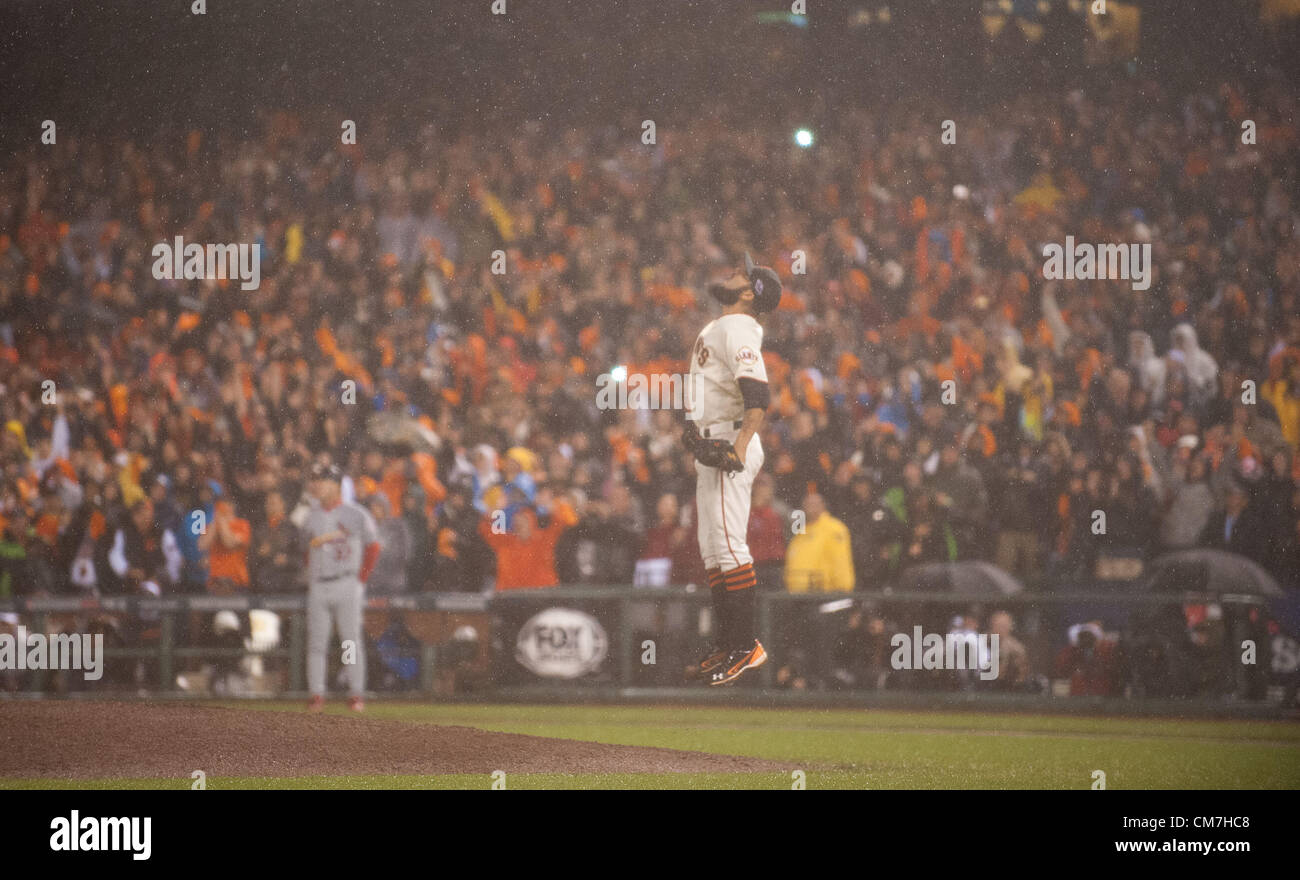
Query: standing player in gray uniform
[{"x": 343, "y": 545}]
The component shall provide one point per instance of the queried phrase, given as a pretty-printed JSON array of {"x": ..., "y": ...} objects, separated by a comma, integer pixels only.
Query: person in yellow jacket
[
  {"x": 1284, "y": 394},
  {"x": 820, "y": 559}
]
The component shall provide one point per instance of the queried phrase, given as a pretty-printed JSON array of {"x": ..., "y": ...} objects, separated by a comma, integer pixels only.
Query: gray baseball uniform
[{"x": 337, "y": 540}]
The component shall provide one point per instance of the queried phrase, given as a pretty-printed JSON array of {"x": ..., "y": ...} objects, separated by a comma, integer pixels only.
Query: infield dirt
[{"x": 101, "y": 740}]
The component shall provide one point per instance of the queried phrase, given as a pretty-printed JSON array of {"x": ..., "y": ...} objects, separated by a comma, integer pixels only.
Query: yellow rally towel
[{"x": 16, "y": 427}]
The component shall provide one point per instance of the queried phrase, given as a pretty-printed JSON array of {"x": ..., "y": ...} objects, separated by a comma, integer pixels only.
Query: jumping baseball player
[
  {"x": 728, "y": 397},
  {"x": 343, "y": 545}
]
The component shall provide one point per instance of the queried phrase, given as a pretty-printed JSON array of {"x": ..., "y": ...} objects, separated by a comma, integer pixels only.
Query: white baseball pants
[{"x": 722, "y": 502}]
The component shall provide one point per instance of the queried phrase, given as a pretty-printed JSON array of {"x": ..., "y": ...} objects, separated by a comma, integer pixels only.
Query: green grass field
[{"x": 850, "y": 748}]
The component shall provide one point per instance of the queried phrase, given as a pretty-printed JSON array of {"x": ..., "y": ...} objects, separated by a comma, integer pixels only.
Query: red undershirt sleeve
[{"x": 368, "y": 560}]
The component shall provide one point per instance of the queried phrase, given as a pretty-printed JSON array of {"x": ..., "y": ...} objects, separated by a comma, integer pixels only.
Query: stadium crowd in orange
[{"x": 381, "y": 338}]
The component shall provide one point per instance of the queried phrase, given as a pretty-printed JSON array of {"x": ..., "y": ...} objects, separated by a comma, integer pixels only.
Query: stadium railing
[{"x": 621, "y": 642}]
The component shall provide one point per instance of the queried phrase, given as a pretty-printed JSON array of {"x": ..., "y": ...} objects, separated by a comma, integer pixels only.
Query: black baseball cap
[{"x": 766, "y": 284}]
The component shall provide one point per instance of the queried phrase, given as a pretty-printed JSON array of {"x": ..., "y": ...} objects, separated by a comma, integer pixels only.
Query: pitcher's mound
[{"x": 98, "y": 740}]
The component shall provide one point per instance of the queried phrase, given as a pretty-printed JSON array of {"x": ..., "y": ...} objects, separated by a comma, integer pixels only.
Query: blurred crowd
[{"x": 934, "y": 397}]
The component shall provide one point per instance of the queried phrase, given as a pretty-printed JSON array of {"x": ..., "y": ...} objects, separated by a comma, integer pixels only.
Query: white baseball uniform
[{"x": 728, "y": 349}]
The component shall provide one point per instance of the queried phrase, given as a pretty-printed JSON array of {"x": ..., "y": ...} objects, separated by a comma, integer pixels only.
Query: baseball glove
[{"x": 712, "y": 453}]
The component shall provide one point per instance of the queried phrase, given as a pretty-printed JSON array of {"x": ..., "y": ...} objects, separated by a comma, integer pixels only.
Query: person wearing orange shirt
[
  {"x": 226, "y": 542},
  {"x": 526, "y": 552}
]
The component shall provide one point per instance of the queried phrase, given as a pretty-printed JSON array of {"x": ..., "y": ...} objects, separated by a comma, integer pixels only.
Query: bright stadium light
[
  {"x": 804, "y": 138},
  {"x": 618, "y": 374}
]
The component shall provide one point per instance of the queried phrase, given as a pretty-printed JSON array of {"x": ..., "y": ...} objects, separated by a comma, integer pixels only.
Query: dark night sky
[{"x": 142, "y": 62}]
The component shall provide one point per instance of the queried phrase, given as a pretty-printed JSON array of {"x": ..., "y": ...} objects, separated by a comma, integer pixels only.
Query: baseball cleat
[
  {"x": 706, "y": 667},
  {"x": 356, "y": 704},
  {"x": 736, "y": 664},
  {"x": 316, "y": 703}
]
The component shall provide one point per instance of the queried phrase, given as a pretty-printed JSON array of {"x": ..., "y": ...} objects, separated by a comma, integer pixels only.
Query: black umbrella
[{"x": 1210, "y": 571}]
